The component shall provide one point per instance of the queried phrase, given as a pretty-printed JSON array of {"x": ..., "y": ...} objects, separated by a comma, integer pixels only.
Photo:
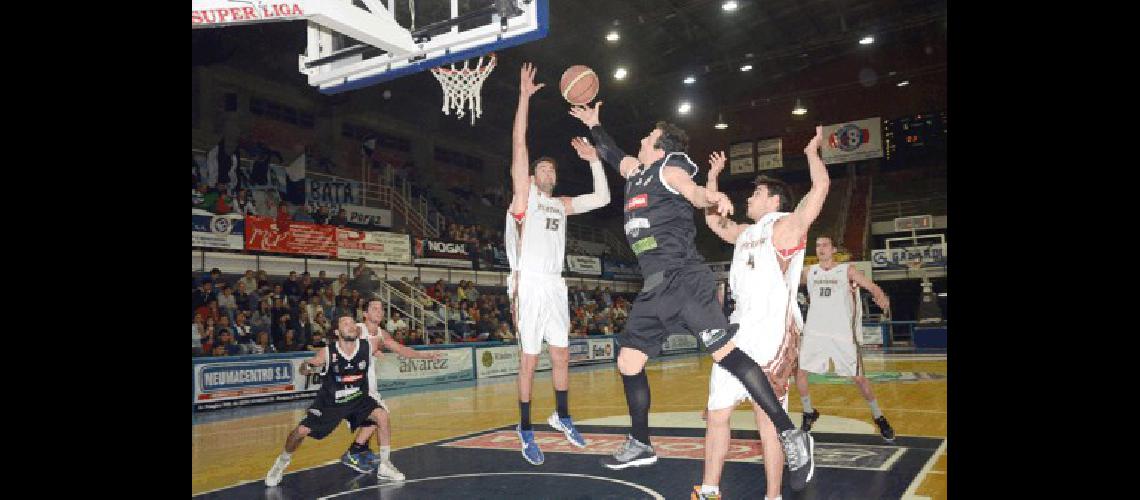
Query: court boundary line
[
  {"x": 909, "y": 494},
  {"x": 636, "y": 486},
  {"x": 336, "y": 461}
]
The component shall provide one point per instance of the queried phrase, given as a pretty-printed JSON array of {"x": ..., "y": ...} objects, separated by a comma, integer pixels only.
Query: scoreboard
[{"x": 915, "y": 134}]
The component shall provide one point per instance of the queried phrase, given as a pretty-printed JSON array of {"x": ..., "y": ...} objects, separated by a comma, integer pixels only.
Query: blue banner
[
  {"x": 217, "y": 231},
  {"x": 613, "y": 269},
  {"x": 245, "y": 375}
]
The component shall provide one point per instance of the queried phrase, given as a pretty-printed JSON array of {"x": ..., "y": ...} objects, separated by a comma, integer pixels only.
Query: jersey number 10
[{"x": 824, "y": 291}]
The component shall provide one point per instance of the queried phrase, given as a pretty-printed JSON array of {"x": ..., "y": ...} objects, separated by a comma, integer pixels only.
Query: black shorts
[
  {"x": 683, "y": 301},
  {"x": 322, "y": 419}
]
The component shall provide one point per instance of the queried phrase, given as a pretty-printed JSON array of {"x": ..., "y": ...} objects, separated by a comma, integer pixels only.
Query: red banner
[{"x": 262, "y": 233}]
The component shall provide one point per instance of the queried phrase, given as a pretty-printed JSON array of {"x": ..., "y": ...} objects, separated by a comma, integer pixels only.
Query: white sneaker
[
  {"x": 388, "y": 471},
  {"x": 274, "y": 476}
]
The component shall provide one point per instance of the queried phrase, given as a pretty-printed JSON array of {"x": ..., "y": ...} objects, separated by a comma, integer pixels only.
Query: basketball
[{"x": 579, "y": 84}]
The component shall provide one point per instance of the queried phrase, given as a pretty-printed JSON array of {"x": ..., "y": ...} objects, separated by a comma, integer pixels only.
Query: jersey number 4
[
  {"x": 751, "y": 263},
  {"x": 552, "y": 224}
]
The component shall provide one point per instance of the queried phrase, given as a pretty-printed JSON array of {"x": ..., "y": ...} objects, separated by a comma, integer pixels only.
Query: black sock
[
  {"x": 524, "y": 416},
  {"x": 637, "y": 397},
  {"x": 357, "y": 448},
  {"x": 560, "y": 398},
  {"x": 745, "y": 369}
]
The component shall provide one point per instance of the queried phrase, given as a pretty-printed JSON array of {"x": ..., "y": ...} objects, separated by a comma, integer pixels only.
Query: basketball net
[{"x": 461, "y": 86}]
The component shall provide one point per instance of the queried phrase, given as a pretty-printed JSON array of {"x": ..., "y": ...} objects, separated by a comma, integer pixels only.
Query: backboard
[{"x": 357, "y": 43}]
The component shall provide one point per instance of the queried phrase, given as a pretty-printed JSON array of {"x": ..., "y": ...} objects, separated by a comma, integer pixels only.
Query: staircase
[{"x": 411, "y": 306}]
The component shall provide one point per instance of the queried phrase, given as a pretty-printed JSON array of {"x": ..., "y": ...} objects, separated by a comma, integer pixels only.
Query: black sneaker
[
  {"x": 799, "y": 447},
  {"x": 809, "y": 419},
  {"x": 631, "y": 454},
  {"x": 885, "y": 429}
]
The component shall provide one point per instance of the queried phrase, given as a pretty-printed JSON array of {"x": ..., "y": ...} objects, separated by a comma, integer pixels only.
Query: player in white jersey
[
  {"x": 764, "y": 278},
  {"x": 833, "y": 325},
  {"x": 370, "y": 328},
  {"x": 536, "y": 247}
]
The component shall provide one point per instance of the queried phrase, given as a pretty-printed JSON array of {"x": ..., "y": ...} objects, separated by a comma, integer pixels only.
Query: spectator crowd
[{"x": 253, "y": 314}]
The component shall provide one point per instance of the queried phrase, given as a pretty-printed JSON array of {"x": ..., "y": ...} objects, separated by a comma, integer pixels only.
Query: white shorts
[
  {"x": 771, "y": 352},
  {"x": 725, "y": 391},
  {"x": 817, "y": 349},
  {"x": 541, "y": 310}
]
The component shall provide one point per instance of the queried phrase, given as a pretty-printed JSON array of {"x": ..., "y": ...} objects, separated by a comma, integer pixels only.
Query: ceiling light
[
  {"x": 720, "y": 124},
  {"x": 729, "y": 6},
  {"x": 867, "y": 40},
  {"x": 613, "y": 36},
  {"x": 799, "y": 109},
  {"x": 904, "y": 83},
  {"x": 689, "y": 80},
  {"x": 620, "y": 74},
  {"x": 746, "y": 67},
  {"x": 684, "y": 107}
]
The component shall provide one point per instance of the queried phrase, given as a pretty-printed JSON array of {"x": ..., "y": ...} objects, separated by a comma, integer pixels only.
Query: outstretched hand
[
  {"x": 527, "y": 87},
  {"x": 584, "y": 149},
  {"x": 716, "y": 164},
  {"x": 588, "y": 115}
]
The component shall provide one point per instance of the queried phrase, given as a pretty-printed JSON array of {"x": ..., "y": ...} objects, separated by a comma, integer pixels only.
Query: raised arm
[
  {"x": 877, "y": 294},
  {"x": 724, "y": 227},
  {"x": 608, "y": 150},
  {"x": 679, "y": 181},
  {"x": 520, "y": 157},
  {"x": 809, "y": 208},
  {"x": 601, "y": 196}
]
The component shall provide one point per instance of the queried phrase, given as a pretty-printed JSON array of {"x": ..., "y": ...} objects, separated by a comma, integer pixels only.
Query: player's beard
[{"x": 547, "y": 188}]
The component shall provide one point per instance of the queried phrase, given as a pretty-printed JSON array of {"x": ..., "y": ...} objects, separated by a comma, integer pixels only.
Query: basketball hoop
[{"x": 461, "y": 86}]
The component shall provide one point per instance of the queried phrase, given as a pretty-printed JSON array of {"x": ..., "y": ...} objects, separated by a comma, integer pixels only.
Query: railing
[
  {"x": 933, "y": 205},
  {"x": 418, "y": 314}
]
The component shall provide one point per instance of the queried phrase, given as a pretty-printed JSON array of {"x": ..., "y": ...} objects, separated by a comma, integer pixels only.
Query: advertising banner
[
  {"x": 303, "y": 238},
  {"x": 217, "y": 231},
  {"x": 373, "y": 246},
  {"x": 852, "y": 141},
  {"x": 248, "y": 380},
  {"x": 396, "y": 372}
]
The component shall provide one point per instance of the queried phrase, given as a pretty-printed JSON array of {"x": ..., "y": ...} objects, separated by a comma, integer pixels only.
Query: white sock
[
  {"x": 710, "y": 489},
  {"x": 287, "y": 456},
  {"x": 806, "y": 400},
  {"x": 875, "y": 411},
  {"x": 385, "y": 452},
  {"x": 781, "y": 497}
]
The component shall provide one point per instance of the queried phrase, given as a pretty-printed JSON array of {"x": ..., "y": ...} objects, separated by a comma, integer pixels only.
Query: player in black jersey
[
  {"x": 344, "y": 395},
  {"x": 679, "y": 289}
]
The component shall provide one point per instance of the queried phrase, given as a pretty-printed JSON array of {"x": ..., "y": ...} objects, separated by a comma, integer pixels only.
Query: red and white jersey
[
  {"x": 537, "y": 241},
  {"x": 831, "y": 313},
  {"x": 764, "y": 294}
]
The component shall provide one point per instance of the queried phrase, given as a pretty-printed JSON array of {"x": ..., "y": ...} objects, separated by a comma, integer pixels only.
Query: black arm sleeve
[{"x": 608, "y": 151}]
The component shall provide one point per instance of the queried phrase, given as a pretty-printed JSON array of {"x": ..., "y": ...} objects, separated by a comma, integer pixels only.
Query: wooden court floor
[{"x": 241, "y": 449}]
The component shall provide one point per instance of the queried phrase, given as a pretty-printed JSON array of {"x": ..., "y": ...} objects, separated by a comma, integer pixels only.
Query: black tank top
[
  {"x": 659, "y": 222},
  {"x": 346, "y": 378}
]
